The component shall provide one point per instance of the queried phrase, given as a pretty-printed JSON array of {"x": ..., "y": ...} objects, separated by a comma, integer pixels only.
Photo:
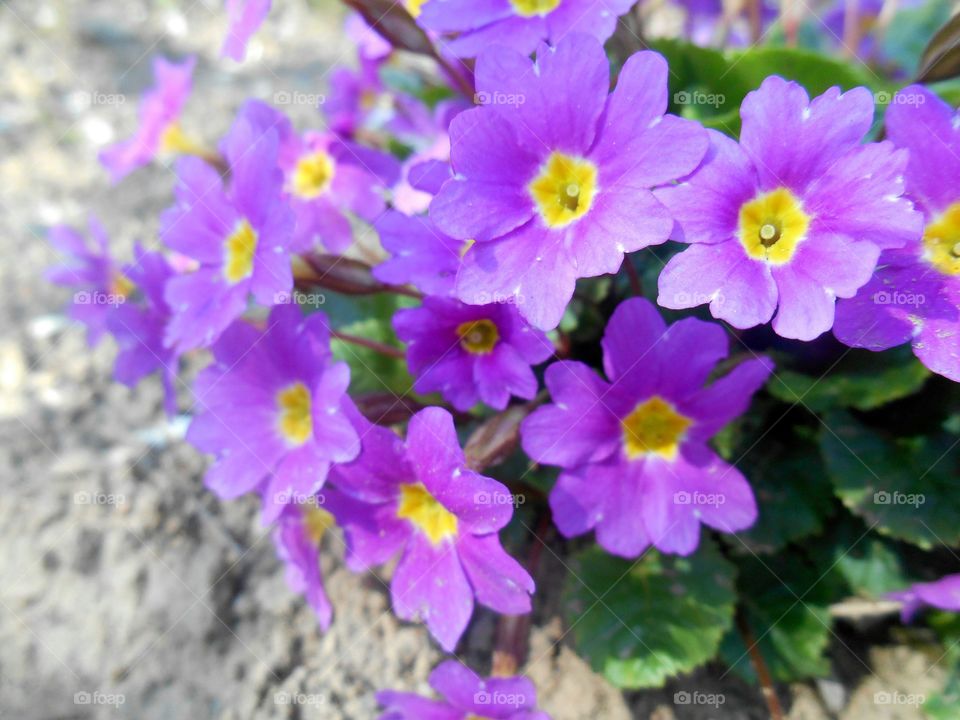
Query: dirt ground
[{"x": 127, "y": 590}]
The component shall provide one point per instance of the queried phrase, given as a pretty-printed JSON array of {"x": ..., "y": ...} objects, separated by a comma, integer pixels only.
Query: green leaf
[
  {"x": 793, "y": 494},
  {"x": 905, "y": 487},
  {"x": 861, "y": 390},
  {"x": 642, "y": 622},
  {"x": 786, "y": 605}
]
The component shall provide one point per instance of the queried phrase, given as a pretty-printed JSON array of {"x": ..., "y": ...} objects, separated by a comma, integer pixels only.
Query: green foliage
[
  {"x": 863, "y": 389},
  {"x": 641, "y": 622},
  {"x": 905, "y": 487}
]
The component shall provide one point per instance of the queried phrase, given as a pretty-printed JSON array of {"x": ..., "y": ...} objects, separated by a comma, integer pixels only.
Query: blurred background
[{"x": 127, "y": 590}]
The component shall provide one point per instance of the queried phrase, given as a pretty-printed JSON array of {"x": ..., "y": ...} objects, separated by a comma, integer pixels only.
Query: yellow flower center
[
  {"x": 121, "y": 285},
  {"x": 941, "y": 241},
  {"x": 426, "y": 513},
  {"x": 478, "y": 336},
  {"x": 772, "y": 225},
  {"x": 564, "y": 189},
  {"x": 316, "y": 521},
  {"x": 296, "y": 420},
  {"x": 313, "y": 175},
  {"x": 174, "y": 141},
  {"x": 414, "y": 7},
  {"x": 239, "y": 250},
  {"x": 529, "y": 8},
  {"x": 654, "y": 426}
]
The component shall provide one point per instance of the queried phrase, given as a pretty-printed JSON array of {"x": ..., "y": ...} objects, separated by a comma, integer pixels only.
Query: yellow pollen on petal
[
  {"x": 313, "y": 175},
  {"x": 564, "y": 189},
  {"x": 478, "y": 336},
  {"x": 414, "y": 7},
  {"x": 467, "y": 244},
  {"x": 941, "y": 241},
  {"x": 239, "y": 249},
  {"x": 316, "y": 521},
  {"x": 426, "y": 513},
  {"x": 295, "y": 418},
  {"x": 654, "y": 426},
  {"x": 529, "y": 8},
  {"x": 772, "y": 225}
]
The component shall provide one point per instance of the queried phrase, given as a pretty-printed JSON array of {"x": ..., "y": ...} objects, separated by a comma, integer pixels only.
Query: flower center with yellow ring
[
  {"x": 654, "y": 426},
  {"x": 564, "y": 190},
  {"x": 478, "y": 336},
  {"x": 426, "y": 513},
  {"x": 941, "y": 241},
  {"x": 772, "y": 226}
]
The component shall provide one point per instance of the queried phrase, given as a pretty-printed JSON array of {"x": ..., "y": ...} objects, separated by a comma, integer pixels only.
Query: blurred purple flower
[
  {"x": 466, "y": 696},
  {"x": 471, "y": 353},
  {"x": 791, "y": 218},
  {"x": 943, "y": 594},
  {"x": 297, "y": 536},
  {"x": 159, "y": 129},
  {"x": 637, "y": 465},
  {"x": 245, "y": 17},
  {"x": 422, "y": 256}
]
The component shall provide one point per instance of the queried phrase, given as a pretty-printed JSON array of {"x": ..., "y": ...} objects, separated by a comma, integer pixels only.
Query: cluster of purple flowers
[{"x": 492, "y": 217}]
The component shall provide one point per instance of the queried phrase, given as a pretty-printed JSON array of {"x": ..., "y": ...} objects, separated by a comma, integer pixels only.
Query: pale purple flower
[
  {"x": 792, "y": 217},
  {"x": 245, "y": 17},
  {"x": 421, "y": 255},
  {"x": 943, "y": 594},
  {"x": 637, "y": 467},
  {"x": 553, "y": 176},
  {"x": 419, "y": 499},
  {"x": 297, "y": 536},
  {"x": 915, "y": 294},
  {"x": 518, "y": 24},
  {"x": 159, "y": 129},
  {"x": 466, "y": 696},
  {"x": 272, "y": 410}
]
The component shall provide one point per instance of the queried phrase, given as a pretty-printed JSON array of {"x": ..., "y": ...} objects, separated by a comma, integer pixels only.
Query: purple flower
[
  {"x": 158, "y": 130},
  {"x": 790, "y": 219},
  {"x": 420, "y": 499},
  {"x": 466, "y": 696},
  {"x": 637, "y": 466},
  {"x": 297, "y": 536},
  {"x": 471, "y": 353},
  {"x": 325, "y": 178},
  {"x": 422, "y": 255},
  {"x": 240, "y": 236},
  {"x": 246, "y": 17},
  {"x": 518, "y": 24},
  {"x": 943, "y": 594},
  {"x": 101, "y": 283},
  {"x": 272, "y": 410},
  {"x": 553, "y": 176},
  {"x": 915, "y": 294},
  {"x": 138, "y": 326}
]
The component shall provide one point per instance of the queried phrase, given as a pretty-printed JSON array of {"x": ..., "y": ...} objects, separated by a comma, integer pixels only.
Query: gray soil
[{"x": 126, "y": 589}]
